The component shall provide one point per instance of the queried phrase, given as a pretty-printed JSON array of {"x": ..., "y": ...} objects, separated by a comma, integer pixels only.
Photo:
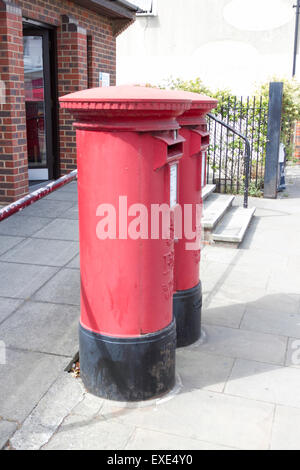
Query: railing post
[
  {"x": 273, "y": 140},
  {"x": 247, "y": 153},
  {"x": 247, "y": 169}
]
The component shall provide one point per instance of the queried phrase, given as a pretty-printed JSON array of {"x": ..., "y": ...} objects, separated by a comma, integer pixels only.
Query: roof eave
[{"x": 114, "y": 9}]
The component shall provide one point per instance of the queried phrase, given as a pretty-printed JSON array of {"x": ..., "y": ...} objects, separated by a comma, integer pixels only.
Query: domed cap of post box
[
  {"x": 126, "y": 108},
  {"x": 201, "y": 105}
]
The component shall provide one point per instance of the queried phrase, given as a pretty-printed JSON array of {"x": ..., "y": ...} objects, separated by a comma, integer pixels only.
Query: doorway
[{"x": 38, "y": 102}]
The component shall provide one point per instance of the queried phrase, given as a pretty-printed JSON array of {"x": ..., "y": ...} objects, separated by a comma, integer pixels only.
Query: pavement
[{"x": 237, "y": 388}]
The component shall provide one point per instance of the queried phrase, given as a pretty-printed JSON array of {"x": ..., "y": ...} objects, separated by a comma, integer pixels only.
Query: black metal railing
[
  {"x": 233, "y": 170},
  {"x": 249, "y": 117}
]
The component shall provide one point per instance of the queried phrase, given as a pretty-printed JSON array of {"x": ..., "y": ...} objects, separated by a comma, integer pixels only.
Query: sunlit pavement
[{"x": 237, "y": 388}]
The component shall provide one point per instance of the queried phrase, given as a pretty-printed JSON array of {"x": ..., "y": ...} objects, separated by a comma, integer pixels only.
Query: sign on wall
[{"x": 104, "y": 79}]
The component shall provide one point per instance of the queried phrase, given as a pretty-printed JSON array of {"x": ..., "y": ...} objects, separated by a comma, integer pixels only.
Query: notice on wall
[
  {"x": 2, "y": 92},
  {"x": 173, "y": 185},
  {"x": 104, "y": 79}
]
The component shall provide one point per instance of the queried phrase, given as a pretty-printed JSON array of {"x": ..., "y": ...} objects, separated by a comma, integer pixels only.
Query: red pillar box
[
  {"x": 128, "y": 149},
  {"x": 187, "y": 299}
]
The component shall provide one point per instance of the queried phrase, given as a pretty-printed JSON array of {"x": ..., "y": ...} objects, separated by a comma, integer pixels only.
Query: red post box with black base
[
  {"x": 128, "y": 149},
  {"x": 187, "y": 299}
]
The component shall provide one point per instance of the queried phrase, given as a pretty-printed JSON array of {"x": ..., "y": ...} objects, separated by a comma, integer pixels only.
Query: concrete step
[
  {"x": 214, "y": 208},
  {"x": 208, "y": 190},
  {"x": 232, "y": 228}
]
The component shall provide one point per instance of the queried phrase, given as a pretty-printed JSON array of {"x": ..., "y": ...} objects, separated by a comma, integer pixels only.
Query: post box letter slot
[
  {"x": 174, "y": 150},
  {"x": 205, "y": 140}
]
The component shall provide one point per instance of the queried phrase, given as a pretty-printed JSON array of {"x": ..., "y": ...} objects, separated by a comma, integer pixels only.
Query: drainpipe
[{"x": 296, "y": 36}]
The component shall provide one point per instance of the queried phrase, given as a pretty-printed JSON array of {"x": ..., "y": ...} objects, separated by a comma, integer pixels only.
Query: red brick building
[{"x": 49, "y": 48}]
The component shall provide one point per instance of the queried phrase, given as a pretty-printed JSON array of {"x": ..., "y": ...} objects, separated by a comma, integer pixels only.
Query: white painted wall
[{"x": 227, "y": 43}]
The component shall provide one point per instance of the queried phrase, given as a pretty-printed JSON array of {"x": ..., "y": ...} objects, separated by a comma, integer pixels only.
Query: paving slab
[
  {"x": 24, "y": 379},
  {"x": 43, "y": 327},
  {"x": 69, "y": 187},
  {"x": 89, "y": 406},
  {"x": 46, "y": 208},
  {"x": 265, "y": 382},
  {"x": 285, "y": 280},
  {"x": 78, "y": 433},
  {"x": 71, "y": 213},
  {"x": 241, "y": 293},
  {"x": 63, "y": 288},
  {"x": 272, "y": 240},
  {"x": 42, "y": 252},
  {"x": 22, "y": 280},
  {"x": 24, "y": 227},
  {"x": 237, "y": 278},
  {"x": 273, "y": 322},
  {"x": 7, "y": 306},
  {"x": 199, "y": 370},
  {"x": 74, "y": 263},
  {"x": 286, "y": 429},
  {"x": 206, "y": 416},
  {"x": 223, "y": 311},
  {"x": 244, "y": 344},
  {"x": 56, "y": 404},
  {"x": 283, "y": 302},
  {"x": 60, "y": 229},
  {"x": 62, "y": 196},
  {"x": 247, "y": 278},
  {"x": 226, "y": 255},
  {"x": 244, "y": 258},
  {"x": 7, "y": 242},
  {"x": 143, "y": 439},
  {"x": 7, "y": 428}
]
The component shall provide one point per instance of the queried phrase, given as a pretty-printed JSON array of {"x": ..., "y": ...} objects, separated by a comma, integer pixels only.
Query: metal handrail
[
  {"x": 247, "y": 155},
  {"x": 36, "y": 195}
]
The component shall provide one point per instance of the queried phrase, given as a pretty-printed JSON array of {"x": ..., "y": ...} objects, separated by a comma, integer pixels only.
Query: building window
[{"x": 149, "y": 7}]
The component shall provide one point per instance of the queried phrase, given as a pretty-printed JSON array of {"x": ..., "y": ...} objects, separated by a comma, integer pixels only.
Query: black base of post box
[
  {"x": 187, "y": 306},
  {"x": 128, "y": 369}
]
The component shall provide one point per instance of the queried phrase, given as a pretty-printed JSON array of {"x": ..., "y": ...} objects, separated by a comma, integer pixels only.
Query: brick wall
[
  {"x": 13, "y": 148},
  {"x": 86, "y": 45},
  {"x": 297, "y": 142},
  {"x": 72, "y": 76}
]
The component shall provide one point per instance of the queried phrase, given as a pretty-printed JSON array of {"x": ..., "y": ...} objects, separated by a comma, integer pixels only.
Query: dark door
[{"x": 38, "y": 101}]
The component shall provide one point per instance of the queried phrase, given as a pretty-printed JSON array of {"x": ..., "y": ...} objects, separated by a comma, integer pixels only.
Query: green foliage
[
  {"x": 255, "y": 188},
  {"x": 250, "y": 117}
]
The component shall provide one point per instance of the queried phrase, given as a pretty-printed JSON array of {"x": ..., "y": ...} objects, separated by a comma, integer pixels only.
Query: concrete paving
[{"x": 237, "y": 388}]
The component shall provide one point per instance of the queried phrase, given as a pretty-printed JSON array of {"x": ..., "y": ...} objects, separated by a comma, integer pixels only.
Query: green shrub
[{"x": 226, "y": 99}]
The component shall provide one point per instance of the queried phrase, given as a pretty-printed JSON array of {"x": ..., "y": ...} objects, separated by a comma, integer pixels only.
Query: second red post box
[
  {"x": 128, "y": 149},
  {"x": 187, "y": 299}
]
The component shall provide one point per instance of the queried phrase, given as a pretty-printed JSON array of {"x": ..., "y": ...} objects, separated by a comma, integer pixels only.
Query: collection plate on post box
[{"x": 173, "y": 185}]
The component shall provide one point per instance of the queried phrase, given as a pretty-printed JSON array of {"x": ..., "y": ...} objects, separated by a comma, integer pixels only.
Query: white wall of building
[{"x": 227, "y": 43}]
